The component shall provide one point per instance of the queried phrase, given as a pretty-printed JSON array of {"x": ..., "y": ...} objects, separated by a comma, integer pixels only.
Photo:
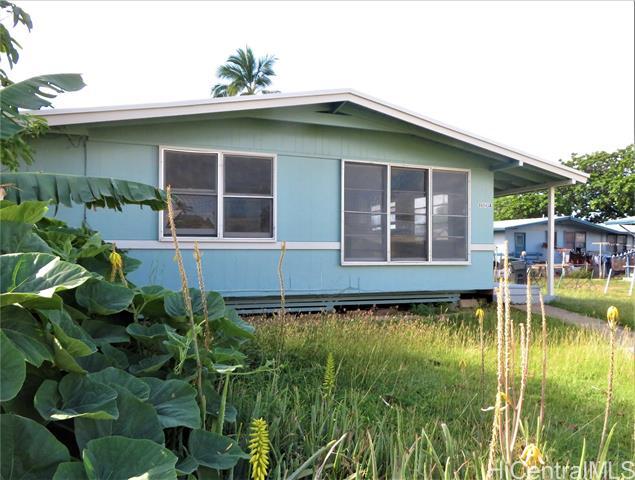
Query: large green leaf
[
  {"x": 76, "y": 395},
  {"x": 98, "y": 361},
  {"x": 137, "y": 419},
  {"x": 90, "y": 191},
  {"x": 64, "y": 360},
  {"x": 120, "y": 380},
  {"x": 16, "y": 234},
  {"x": 149, "y": 301},
  {"x": 175, "y": 307},
  {"x": 70, "y": 471},
  {"x": 27, "y": 334},
  {"x": 103, "y": 298},
  {"x": 149, "y": 364},
  {"x": 103, "y": 331},
  {"x": 29, "y": 451},
  {"x": 12, "y": 369},
  {"x": 71, "y": 336},
  {"x": 231, "y": 325},
  {"x": 32, "y": 93},
  {"x": 121, "y": 458},
  {"x": 224, "y": 355},
  {"x": 18, "y": 237},
  {"x": 27, "y": 212},
  {"x": 214, "y": 451},
  {"x": 151, "y": 335},
  {"x": 175, "y": 402},
  {"x": 34, "y": 278}
]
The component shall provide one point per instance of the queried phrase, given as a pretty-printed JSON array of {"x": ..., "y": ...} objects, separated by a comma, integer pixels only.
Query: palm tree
[{"x": 245, "y": 74}]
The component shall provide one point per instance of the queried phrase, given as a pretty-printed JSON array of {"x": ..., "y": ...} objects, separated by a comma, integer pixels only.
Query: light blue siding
[
  {"x": 254, "y": 272},
  {"x": 308, "y": 202}
]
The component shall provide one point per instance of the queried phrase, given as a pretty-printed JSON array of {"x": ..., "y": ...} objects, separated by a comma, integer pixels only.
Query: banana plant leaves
[
  {"x": 34, "y": 278},
  {"x": 29, "y": 450},
  {"x": 90, "y": 191},
  {"x": 33, "y": 93}
]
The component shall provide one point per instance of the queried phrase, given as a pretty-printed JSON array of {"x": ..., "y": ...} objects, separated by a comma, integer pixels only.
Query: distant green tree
[
  {"x": 609, "y": 192},
  {"x": 244, "y": 74}
]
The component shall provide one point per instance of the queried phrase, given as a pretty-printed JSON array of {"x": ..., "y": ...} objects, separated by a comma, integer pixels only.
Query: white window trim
[
  {"x": 220, "y": 188},
  {"x": 430, "y": 169}
]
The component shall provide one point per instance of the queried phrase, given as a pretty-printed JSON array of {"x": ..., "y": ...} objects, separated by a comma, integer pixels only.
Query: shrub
[{"x": 97, "y": 373}]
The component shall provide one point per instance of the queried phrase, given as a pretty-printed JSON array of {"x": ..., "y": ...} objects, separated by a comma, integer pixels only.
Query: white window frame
[
  {"x": 220, "y": 187},
  {"x": 430, "y": 169}
]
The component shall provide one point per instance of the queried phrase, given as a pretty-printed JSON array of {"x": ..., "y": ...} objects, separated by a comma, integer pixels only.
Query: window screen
[
  {"x": 248, "y": 197},
  {"x": 449, "y": 215},
  {"x": 369, "y": 231},
  {"x": 193, "y": 177},
  {"x": 408, "y": 214},
  {"x": 365, "y": 212}
]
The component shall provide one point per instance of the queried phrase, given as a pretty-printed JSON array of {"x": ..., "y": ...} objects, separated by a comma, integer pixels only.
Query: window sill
[
  {"x": 218, "y": 240},
  {"x": 385, "y": 264}
]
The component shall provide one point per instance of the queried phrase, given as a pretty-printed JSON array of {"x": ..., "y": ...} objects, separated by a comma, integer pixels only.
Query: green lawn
[
  {"x": 587, "y": 297},
  {"x": 400, "y": 379}
]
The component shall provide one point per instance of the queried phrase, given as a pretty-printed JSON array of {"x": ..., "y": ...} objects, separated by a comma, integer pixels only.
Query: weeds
[{"x": 398, "y": 379}]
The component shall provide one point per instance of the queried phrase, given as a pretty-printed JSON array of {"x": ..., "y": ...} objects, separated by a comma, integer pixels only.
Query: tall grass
[{"x": 407, "y": 394}]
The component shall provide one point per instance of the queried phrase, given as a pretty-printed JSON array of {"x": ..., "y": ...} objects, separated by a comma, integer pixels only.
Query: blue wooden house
[
  {"x": 375, "y": 203},
  {"x": 572, "y": 234}
]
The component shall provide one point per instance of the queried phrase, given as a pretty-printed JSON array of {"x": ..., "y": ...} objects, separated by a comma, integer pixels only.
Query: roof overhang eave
[{"x": 64, "y": 117}]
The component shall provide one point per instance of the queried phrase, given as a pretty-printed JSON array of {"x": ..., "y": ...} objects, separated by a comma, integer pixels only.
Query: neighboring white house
[{"x": 573, "y": 234}]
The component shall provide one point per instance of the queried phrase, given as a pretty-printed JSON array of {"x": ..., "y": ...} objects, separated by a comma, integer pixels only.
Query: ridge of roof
[{"x": 74, "y": 116}]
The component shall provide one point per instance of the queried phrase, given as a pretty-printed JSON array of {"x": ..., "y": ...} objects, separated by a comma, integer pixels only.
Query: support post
[{"x": 551, "y": 255}]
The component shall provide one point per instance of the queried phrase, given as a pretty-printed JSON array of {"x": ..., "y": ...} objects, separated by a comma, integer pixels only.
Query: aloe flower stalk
[
  {"x": 259, "y": 449},
  {"x": 612, "y": 316}
]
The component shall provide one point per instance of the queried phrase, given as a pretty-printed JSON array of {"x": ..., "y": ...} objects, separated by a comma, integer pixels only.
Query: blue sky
[{"x": 549, "y": 78}]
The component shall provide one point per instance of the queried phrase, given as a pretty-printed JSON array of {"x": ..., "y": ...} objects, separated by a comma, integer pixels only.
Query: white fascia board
[{"x": 281, "y": 100}]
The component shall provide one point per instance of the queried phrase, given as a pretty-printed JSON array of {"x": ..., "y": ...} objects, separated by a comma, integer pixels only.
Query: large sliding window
[
  {"x": 219, "y": 195},
  {"x": 386, "y": 216}
]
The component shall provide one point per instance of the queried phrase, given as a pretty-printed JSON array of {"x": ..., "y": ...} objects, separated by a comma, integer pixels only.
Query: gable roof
[
  {"x": 502, "y": 225},
  {"x": 514, "y": 171}
]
